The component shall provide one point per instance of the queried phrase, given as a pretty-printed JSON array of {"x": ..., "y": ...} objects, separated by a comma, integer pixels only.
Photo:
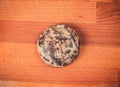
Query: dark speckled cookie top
[{"x": 58, "y": 45}]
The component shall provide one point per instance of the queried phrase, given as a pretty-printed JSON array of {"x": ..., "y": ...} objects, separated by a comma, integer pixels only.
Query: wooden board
[
  {"x": 97, "y": 23},
  {"x": 49, "y": 11}
]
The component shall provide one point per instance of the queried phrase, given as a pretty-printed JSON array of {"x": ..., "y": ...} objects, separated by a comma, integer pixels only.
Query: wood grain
[
  {"x": 88, "y": 32},
  {"x": 28, "y": 64},
  {"x": 39, "y": 84},
  {"x": 98, "y": 64},
  {"x": 55, "y": 11}
]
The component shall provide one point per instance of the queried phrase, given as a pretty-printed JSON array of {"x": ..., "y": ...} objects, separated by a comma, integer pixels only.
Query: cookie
[{"x": 58, "y": 45}]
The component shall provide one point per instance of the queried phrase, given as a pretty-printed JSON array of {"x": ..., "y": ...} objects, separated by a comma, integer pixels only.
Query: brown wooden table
[{"x": 96, "y": 21}]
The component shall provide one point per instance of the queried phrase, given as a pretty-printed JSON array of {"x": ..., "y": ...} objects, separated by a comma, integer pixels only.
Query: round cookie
[{"x": 58, "y": 45}]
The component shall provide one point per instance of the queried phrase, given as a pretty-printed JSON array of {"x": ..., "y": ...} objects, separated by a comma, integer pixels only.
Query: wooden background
[{"x": 97, "y": 23}]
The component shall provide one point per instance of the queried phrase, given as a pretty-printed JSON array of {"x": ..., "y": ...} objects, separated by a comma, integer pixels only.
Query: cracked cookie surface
[{"x": 58, "y": 45}]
